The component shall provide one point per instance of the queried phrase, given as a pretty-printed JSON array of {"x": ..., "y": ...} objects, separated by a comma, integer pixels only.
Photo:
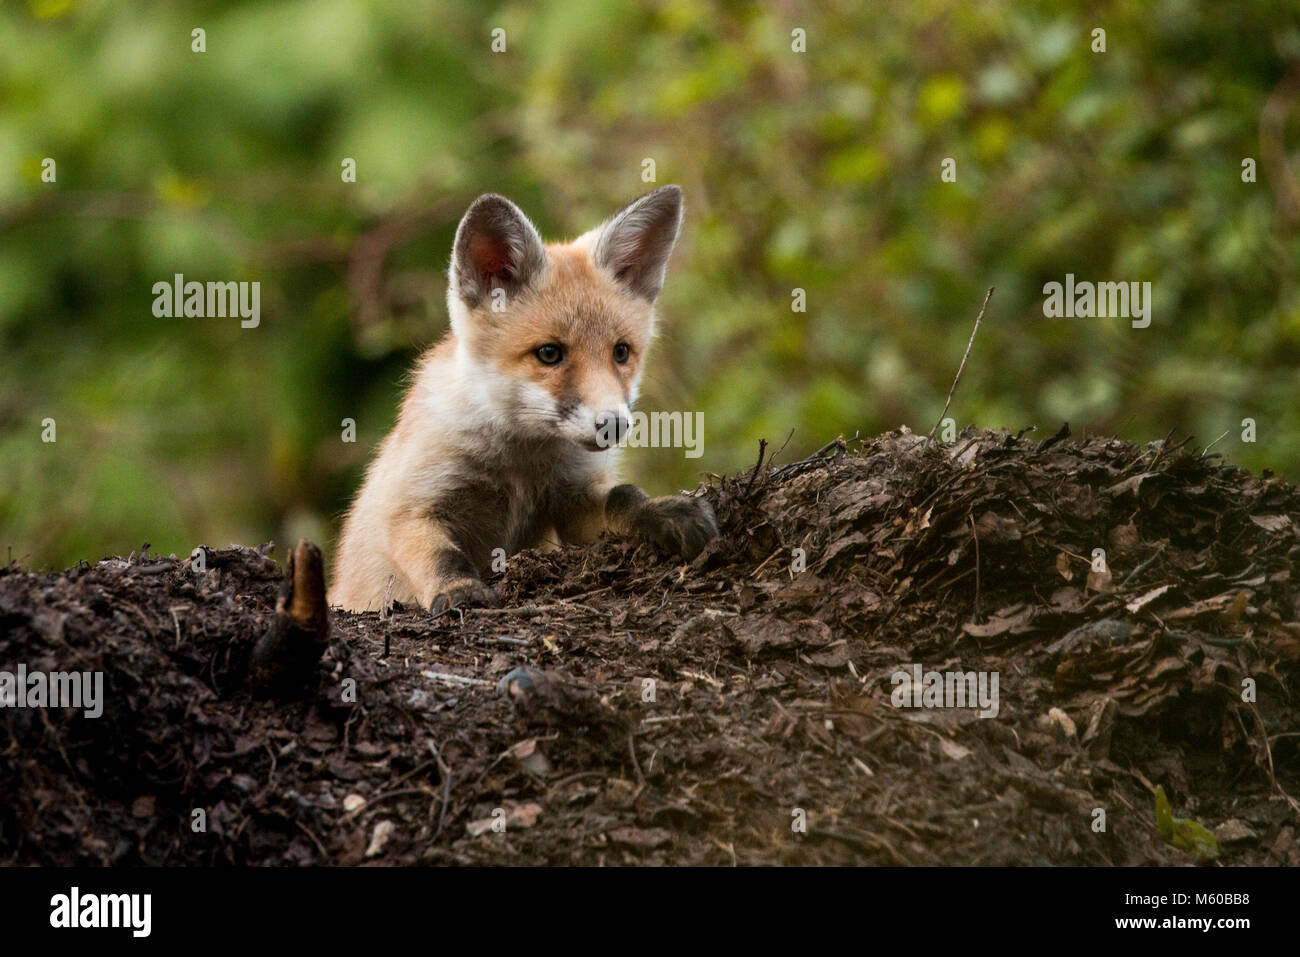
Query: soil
[{"x": 736, "y": 710}]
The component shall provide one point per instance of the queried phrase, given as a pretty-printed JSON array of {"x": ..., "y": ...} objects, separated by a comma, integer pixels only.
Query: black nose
[{"x": 611, "y": 427}]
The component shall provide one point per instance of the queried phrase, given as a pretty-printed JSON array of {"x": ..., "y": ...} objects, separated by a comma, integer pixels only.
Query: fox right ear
[
  {"x": 496, "y": 247},
  {"x": 635, "y": 242}
]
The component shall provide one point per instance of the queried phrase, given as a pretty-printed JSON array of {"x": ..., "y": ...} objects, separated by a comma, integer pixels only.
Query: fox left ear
[
  {"x": 636, "y": 241},
  {"x": 495, "y": 247}
]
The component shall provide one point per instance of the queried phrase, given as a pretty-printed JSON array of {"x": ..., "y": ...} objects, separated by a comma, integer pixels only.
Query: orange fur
[{"x": 494, "y": 448}]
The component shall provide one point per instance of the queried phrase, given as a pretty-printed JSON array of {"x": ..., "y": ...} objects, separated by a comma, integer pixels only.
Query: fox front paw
[
  {"x": 467, "y": 593},
  {"x": 676, "y": 524}
]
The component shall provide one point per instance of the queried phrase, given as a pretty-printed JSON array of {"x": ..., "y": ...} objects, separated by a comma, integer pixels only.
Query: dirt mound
[{"x": 741, "y": 709}]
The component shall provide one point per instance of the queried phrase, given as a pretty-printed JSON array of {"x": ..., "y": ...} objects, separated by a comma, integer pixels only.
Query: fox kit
[{"x": 504, "y": 437}]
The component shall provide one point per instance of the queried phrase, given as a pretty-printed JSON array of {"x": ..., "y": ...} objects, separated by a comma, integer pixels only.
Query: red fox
[{"x": 503, "y": 438}]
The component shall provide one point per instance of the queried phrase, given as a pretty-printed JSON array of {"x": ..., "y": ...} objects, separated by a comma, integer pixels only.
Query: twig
[
  {"x": 174, "y": 609},
  {"x": 1141, "y": 568},
  {"x": 399, "y": 793},
  {"x": 753, "y": 476},
  {"x": 865, "y": 844},
  {"x": 405, "y": 777},
  {"x": 772, "y": 458},
  {"x": 839, "y": 444},
  {"x": 987, "y": 296},
  {"x": 636, "y": 765},
  {"x": 455, "y": 679},
  {"x": 754, "y": 573},
  {"x": 1268, "y": 752},
  {"x": 532, "y": 611},
  {"x": 446, "y": 787},
  {"x": 1213, "y": 444},
  {"x": 314, "y": 839}
]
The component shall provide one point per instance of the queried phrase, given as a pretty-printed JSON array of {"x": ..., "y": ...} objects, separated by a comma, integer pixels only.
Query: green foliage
[
  {"x": 817, "y": 170},
  {"x": 1184, "y": 833}
]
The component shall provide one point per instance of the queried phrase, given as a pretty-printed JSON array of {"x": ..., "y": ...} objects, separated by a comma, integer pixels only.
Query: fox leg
[
  {"x": 584, "y": 518},
  {"x": 442, "y": 575},
  {"x": 677, "y": 524}
]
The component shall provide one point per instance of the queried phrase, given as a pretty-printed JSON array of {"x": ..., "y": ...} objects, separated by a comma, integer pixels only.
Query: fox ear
[
  {"x": 496, "y": 247},
  {"x": 636, "y": 241}
]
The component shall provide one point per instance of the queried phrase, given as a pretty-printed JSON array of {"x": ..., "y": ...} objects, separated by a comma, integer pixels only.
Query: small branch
[
  {"x": 839, "y": 445},
  {"x": 532, "y": 611},
  {"x": 456, "y": 679},
  {"x": 1205, "y": 450},
  {"x": 961, "y": 368},
  {"x": 753, "y": 476},
  {"x": 631, "y": 749},
  {"x": 446, "y": 787},
  {"x": 1140, "y": 569}
]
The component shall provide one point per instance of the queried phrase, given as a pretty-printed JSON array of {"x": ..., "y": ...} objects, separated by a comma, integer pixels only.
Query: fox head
[{"x": 554, "y": 337}]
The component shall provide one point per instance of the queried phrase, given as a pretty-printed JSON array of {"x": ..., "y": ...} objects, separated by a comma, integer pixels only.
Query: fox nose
[{"x": 611, "y": 427}]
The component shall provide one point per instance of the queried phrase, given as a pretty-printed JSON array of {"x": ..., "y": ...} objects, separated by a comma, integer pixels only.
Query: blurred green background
[{"x": 818, "y": 170}]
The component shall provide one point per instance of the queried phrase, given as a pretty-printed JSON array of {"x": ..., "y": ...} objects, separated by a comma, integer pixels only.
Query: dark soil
[{"x": 696, "y": 714}]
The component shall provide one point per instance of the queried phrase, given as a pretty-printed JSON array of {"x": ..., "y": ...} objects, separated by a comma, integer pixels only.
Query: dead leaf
[
  {"x": 1216, "y": 604},
  {"x": 523, "y": 815},
  {"x": 641, "y": 839},
  {"x": 1101, "y": 582},
  {"x": 1130, "y": 484},
  {"x": 353, "y": 802},
  {"x": 1016, "y": 619},
  {"x": 1137, "y": 604},
  {"x": 1272, "y": 523},
  {"x": 995, "y": 529},
  {"x": 1233, "y": 830},
  {"x": 1123, "y": 538},
  {"x": 1063, "y": 566},
  {"x": 953, "y": 750},
  {"x": 1236, "y": 609},
  {"x": 1101, "y": 724},
  {"x": 379, "y": 837},
  {"x": 1062, "y": 725}
]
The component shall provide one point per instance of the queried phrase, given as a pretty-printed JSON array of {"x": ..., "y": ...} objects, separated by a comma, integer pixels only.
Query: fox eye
[
  {"x": 549, "y": 354},
  {"x": 621, "y": 352}
]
